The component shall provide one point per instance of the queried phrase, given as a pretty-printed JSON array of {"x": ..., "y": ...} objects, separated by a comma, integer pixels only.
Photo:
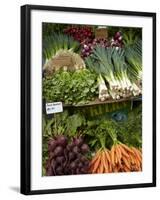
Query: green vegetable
[
  {"x": 110, "y": 64},
  {"x": 53, "y": 43},
  {"x": 77, "y": 87}
]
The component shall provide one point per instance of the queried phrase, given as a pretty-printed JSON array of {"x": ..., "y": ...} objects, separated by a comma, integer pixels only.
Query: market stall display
[{"x": 97, "y": 76}]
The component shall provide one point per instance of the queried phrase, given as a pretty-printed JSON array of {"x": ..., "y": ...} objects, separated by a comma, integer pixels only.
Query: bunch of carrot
[
  {"x": 120, "y": 158},
  {"x": 101, "y": 162},
  {"x": 125, "y": 159}
]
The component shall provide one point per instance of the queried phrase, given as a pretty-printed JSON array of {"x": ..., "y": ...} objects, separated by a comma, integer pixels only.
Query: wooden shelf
[{"x": 98, "y": 102}]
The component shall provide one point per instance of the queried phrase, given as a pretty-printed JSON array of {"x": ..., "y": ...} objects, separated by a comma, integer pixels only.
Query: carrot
[
  {"x": 118, "y": 150},
  {"x": 123, "y": 151},
  {"x": 126, "y": 148},
  {"x": 126, "y": 169},
  {"x": 115, "y": 169},
  {"x": 107, "y": 152},
  {"x": 118, "y": 154},
  {"x": 95, "y": 158},
  {"x": 115, "y": 157},
  {"x": 112, "y": 156},
  {"x": 98, "y": 171},
  {"x": 101, "y": 166},
  {"x": 132, "y": 160},
  {"x": 105, "y": 162},
  {"x": 96, "y": 164},
  {"x": 126, "y": 162},
  {"x": 137, "y": 153}
]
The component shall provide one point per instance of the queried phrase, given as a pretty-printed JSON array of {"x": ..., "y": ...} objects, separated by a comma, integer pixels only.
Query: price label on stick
[{"x": 55, "y": 107}]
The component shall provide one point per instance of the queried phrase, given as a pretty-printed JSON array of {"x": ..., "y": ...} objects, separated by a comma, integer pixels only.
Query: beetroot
[
  {"x": 66, "y": 157},
  {"x": 84, "y": 148},
  {"x": 52, "y": 144},
  {"x": 49, "y": 172},
  {"x": 60, "y": 159},
  {"x": 58, "y": 151},
  {"x": 71, "y": 156},
  {"x": 62, "y": 140},
  {"x": 76, "y": 150},
  {"x": 78, "y": 141},
  {"x": 73, "y": 165}
]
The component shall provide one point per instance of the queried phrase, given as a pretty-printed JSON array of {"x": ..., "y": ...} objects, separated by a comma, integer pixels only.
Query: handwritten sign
[
  {"x": 55, "y": 107},
  {"x": 101, "y": 33},
  {"x": 62, "y": 61}
]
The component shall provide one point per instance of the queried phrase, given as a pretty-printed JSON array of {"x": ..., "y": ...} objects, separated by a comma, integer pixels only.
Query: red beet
[
  {"x": 58, "y": 151},
  {"x": 73, "y": 165},
  {"x": 78, "y": 141},
  {"x": 62, "y": 140},
  {"x": 76, "y": 150},
  {"x": 60, "y": 159},
  {"x": 84, "y": 148},
  {"x": 52, "y": 144},
  {"x": 49, "y": 172}
]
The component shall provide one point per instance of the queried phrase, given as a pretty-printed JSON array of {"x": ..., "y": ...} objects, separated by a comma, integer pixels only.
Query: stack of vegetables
[
  {"x": 120, "y": 158},
  {"x": 76, "y": 145},
  {"x": 114, "y": 66},
  {"x": 98, "y": 73},
  {"x": 110, "y": 66},
  {"x": 67, "y": 158}
]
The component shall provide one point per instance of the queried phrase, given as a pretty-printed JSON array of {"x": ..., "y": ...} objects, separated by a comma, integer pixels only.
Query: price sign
[{"x": 55, "y": 107}]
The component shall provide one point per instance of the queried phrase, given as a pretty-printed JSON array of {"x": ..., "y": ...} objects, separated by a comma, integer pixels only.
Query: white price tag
[{"x": 55, "y": 107}]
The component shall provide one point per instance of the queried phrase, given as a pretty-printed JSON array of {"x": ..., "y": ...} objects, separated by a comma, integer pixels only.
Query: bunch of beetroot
[
  {"x": 79, "y": 33},
  {"x": 66, "y": 158}
]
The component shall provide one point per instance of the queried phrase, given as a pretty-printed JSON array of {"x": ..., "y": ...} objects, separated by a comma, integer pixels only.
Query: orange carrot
[
  {"x": 96, "y": 164},
  {"x": 126, "y": 148},
  {"x": 123, "y": 151},
  {"x": 126, "y": 162},
  {"x": 112, "y": 156},
  {"x": 105, "y": 162}
]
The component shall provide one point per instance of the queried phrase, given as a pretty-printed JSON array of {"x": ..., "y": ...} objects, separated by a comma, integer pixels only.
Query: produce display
[{"x": 97, "y": 79}]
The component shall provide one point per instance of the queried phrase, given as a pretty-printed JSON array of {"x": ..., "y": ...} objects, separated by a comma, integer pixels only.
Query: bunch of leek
[
  {"x": 111, "y": 66},
  {"x": 52, "y": 44},
  {"x": 102, "y": 88}
]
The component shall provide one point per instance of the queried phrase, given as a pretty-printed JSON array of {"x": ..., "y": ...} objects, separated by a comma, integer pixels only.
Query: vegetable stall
[{"x": 96, "y": 73}]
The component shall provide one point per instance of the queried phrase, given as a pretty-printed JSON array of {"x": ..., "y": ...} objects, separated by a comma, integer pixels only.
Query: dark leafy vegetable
[{"x": 77, "y": 87}]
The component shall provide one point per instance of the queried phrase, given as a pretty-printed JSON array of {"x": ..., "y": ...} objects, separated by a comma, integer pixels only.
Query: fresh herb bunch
[{"x": 78, "y": 87}]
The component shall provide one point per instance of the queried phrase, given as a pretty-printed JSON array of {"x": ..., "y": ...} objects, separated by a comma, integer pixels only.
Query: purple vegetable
[
  {"x": 76, "y": 150},
  {"x": 58, "y": 151},
  {"x": 117, "y": 35},
  {"x": 52, "y": 144},
  {"x": 62, "y": 140},
  {"x": 59, "y": 170},
  {"x": 84, "y": 148},
  {"x": 71, "y": 156},
  {"x": 49, "y": 172},
  {"x": 60, "y": 159},
  {"x": 78, "y": 141},
  {"x": 73, "y": 165}
]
